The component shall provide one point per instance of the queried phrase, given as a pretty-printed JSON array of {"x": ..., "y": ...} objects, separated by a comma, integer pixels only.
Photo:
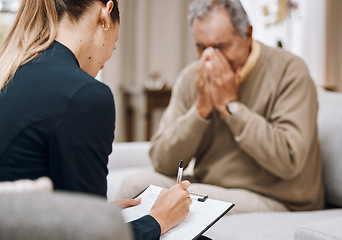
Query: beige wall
[
  {"x": 154, "y": 36},
  {"x": 334, "y": 45}
]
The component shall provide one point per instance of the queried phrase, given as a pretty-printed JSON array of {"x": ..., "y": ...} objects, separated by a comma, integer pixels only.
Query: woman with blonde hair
[{"x": 56, "y": 119}]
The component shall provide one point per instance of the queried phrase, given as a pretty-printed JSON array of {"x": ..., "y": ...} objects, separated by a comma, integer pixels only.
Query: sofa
[
  {"x": 30, "y": 209},
  {"x": 322, "y": 224}
]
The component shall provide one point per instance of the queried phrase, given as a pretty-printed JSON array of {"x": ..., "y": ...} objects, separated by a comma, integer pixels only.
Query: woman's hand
[
  {"x": 172, "y": 206},
  {"x": 125, "y": 203}
]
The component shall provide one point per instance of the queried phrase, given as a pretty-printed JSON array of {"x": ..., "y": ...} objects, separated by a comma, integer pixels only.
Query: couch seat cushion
[
  {"x": 266, "y": 226},
  {"x": 328, "y": 229}
]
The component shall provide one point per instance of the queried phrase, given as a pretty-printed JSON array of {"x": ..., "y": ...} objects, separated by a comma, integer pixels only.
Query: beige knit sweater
[{"x": 270, "y": 146}]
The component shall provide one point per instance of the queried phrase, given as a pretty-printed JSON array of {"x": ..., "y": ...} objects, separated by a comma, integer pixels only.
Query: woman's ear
[
  {"x": 105, "y": 17},
  {"x": 109, "y": 6}
]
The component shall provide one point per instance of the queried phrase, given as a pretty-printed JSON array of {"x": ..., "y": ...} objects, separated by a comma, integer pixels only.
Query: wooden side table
[{"x": 154, "y": 99}]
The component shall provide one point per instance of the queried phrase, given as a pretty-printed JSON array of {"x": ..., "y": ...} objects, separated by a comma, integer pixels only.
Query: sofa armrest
[
  {"x": 129, "y": 154},
  {"x": 328, "y": 229},
  {"x": 330, "y": 138},
  {"x": 60, "y": 215},
  {"x": 126, "y": 158}
]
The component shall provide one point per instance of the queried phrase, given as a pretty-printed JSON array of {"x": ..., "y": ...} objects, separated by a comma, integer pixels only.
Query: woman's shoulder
[
  {"x": 58, "y": 72},
  {"x": 44, "y": 85}
]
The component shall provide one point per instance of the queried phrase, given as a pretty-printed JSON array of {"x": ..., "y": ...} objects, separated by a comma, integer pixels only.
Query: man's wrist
[
  {"x": 231, "y": 108},
  {"x": 203, "y": 112}
]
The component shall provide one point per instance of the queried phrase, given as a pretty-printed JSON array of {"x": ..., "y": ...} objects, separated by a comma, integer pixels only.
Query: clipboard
[{"x": 204, "y": 213}]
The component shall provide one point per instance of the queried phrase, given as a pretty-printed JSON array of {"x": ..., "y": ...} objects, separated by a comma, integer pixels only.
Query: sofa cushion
[
  {"x": 328, "y": 229},
  {"x": 266, "y": 226},
  {"x": 330, "y": 136},
  {"x": 129, "y": 154},
  {"x": 124, "y": 159},
  {"x": 115, "y": 180},
  {"x": 40, "y": 185}
]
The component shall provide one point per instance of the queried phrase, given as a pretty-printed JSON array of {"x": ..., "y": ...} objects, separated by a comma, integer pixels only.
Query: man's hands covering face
[
  {"x": 204, "y": 102},
  {"x": 216, "y": 82}
]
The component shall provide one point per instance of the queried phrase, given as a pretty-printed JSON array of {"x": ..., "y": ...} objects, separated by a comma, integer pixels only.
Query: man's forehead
[
  {"x": 214, "y": 28},
  {"x": 217, "y": 20}
]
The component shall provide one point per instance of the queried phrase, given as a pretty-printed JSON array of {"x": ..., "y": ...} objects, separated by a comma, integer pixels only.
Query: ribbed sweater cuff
[
  {"x": 195, "y": 120},
  {"x": 238, "y": 122}
]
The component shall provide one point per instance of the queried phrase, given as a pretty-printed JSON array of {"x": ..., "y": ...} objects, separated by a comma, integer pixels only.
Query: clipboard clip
[{"x": 202, "y": 197}]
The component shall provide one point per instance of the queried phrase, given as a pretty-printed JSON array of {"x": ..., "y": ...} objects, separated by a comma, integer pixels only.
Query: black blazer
[{"x": 58, "y": 121}]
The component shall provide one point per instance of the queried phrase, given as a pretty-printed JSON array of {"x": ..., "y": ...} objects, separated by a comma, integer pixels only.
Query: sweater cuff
[
  {"x": 239, "y": 121},
  {"x": 195, "y": 123},
  {"x": 193, "y": 111}
]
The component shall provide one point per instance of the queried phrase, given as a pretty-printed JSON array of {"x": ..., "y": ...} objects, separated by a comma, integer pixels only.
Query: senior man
[{"x": 246, "y": 113}]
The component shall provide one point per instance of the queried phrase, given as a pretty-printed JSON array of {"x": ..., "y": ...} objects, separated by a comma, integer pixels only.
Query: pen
[
  {"x": 204, "y": 196},
  {"x": 199, "y": 194},
  {"x": 180, "y": 172}
]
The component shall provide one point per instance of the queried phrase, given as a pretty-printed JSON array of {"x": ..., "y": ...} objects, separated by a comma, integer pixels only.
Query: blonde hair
[{"x": 33, "y": 31}]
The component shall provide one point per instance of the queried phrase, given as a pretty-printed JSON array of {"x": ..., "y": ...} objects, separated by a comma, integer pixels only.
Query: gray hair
[{"x": 238, "y": 15}]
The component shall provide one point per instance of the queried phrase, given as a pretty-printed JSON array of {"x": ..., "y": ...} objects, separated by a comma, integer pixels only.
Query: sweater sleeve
[
  {"x": 281, "y": 141},
  {"x": 83, "y": 140},
  {"x": 145, "y": 228},
  {"x": 180, "y": 129}
]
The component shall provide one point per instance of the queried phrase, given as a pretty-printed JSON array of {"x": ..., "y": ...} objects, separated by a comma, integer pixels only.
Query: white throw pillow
[{"x": 43, "y": 184}]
